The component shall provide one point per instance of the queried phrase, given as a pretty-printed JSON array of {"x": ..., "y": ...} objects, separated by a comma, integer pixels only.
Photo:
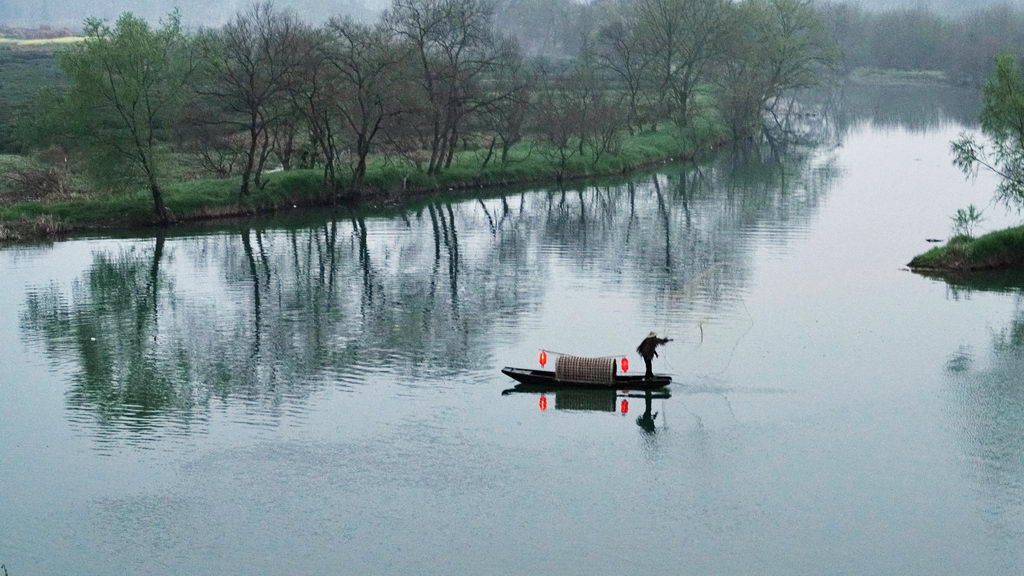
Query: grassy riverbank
[
  {"x": 890, "y": 77},
  {"x": 999, "y": 249},
  {"x": 386, "y": 182}
]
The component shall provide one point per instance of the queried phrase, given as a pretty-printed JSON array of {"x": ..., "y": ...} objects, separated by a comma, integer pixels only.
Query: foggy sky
[
  {"x": 946, "y": 7},
  {"x": 215, "y": 12},
  {"x": 194, "y": 12}
]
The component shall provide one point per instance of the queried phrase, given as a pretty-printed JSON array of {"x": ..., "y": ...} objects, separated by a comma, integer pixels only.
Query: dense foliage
[
  {"x": 127, "y": 84},
  {"x": 1002, "y": 121},
  {"x": 426, "y": 82},
  {"x": 1002, "y": 153},
  {"x": 917, "y": 38}
]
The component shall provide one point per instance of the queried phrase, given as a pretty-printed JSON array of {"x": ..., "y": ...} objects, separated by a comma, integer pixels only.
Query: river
[{"x": 320, "y": 393}]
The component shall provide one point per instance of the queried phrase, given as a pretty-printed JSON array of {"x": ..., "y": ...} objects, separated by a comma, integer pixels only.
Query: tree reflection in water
[
  {"x": 844, "y": 108},
  {"x": 988, "y": 402},
  {"x": 260, "y": 317}
]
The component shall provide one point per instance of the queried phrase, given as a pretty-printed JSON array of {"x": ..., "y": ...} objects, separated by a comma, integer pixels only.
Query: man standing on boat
[{"x": 648, "y": 350}]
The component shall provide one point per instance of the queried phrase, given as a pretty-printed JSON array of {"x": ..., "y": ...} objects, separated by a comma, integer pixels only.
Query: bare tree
[
  {"x": 597, "y": 110},
  {"x": 216, "y": 148},
  {"x": 283, "y": 136},
  {"x": 312, "y": 93},
  {"x": 683, "y": 37},
  {"x": 558, "y": 120},
  {"x": 366, "y": 62},
  {"x": 504, "y": 115},
  {"x": 620, "y": 49},
  {"x": 603, "y": 125},
  {"x": 249, "y": 64},
  {"x": 453, "y": 45}
]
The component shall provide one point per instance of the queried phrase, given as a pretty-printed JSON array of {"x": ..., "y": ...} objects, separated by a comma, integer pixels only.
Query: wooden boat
[
  {"x": 557, "y": 389},
  {"x": 546, "y": 380}
]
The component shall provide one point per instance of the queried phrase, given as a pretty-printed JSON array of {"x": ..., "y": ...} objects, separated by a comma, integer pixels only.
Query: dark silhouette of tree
[{"x": 247, "y": 66}]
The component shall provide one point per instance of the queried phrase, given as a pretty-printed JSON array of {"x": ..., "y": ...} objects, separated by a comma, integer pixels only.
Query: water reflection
[
  {"x": 843, "y": 109},
  {"x": 988, "y": 403},
  {"x": 332, "y": 384},
  {"x": 595, "y": 400},
  {"x": 258, "y": 318},
  {"x": 110, "y": 322},
  {"x": 963, "y": 286}
]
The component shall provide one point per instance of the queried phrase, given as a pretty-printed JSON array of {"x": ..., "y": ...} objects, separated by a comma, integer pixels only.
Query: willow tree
[
  {"x": 774, "y": 49},
  {"x": 126, "y": 87},
  {"x": 1002, "y": 121}
]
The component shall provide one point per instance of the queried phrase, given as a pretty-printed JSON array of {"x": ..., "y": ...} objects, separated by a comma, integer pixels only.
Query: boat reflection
[
  {"x": 261, "y": 314},
  {"x": 591, "y": 400}
]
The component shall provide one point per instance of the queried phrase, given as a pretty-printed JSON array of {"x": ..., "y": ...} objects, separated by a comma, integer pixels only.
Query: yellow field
[{"x": 41, "y": 41}]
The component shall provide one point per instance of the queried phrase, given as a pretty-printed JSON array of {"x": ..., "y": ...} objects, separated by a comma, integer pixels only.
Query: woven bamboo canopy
[{"x": 585, "y": 370}]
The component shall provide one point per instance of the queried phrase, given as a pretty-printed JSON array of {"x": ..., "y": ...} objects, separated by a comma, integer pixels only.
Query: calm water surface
[{"x": 321, "y": 395}]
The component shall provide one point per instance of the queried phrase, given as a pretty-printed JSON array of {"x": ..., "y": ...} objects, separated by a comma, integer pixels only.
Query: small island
[
  {"x": 1002, "y": 122},
  {"x": 963, "y": 253}
]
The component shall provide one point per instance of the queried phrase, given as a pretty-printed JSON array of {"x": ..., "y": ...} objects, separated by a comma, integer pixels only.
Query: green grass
[
  {"x": 26, "y": 66},
  {"x": 24, "y": 71},
  {"x": 386, "y": 180},
  {"x": 188, "y": 200},
  {"x": 888, "y": 76},
  {"x": 999, "y": 249}
]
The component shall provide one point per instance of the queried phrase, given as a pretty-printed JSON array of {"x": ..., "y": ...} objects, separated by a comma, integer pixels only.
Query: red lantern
[
  {"x": 543, "y": 403},
  {"x": 543, "y": 358},
  {"x": 624, "y": 408},
  {"x": 625, "y": 364}
]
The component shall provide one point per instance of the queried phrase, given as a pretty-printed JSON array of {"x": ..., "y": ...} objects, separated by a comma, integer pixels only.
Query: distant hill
[
  {"x": 38, "y": 33},
  {"x": 946, "y": 7},
  {"x": 71, "y": 13}
]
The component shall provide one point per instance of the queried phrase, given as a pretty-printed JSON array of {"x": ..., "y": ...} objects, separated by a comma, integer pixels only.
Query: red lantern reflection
[
  {"x": 543, "y": 358},
  {"x": 543, "y": 403},
  {"x": 625, "y": 364},
  {"x": 624, "y": 407}
]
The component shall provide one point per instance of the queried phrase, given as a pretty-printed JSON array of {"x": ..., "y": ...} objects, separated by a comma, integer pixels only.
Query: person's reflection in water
[{"x": 646, "y": 420}]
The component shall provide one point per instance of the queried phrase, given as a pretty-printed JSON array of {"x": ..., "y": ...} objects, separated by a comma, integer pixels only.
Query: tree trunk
[
  {"x": 435, "y": 144},
  {"x": 453, "y": 141},
  {"x": 360, "y": 172},
  {"x": 684, "y": 108},
  {"x": 490, "y": 152},
  {"x": 250, "y": 162},
  {"x": 288, "y": 150},
  {"x": 506, "y": 147},
  {"x": 264, "y": 154},
  {"x": 162, "y": 214},
  {"x": 437, "y": 154}
]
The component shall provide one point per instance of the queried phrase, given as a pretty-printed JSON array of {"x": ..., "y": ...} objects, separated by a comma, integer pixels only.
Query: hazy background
[
  {"x": 205, "y": 12},
  {"x": 194, "y": 12}
]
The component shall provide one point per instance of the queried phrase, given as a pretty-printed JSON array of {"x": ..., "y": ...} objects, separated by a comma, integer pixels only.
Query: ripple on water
[{"x": 330, "y": 386}]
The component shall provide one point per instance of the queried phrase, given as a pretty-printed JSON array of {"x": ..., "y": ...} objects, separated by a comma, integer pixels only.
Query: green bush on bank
[{"x": 999, "y": 249}]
